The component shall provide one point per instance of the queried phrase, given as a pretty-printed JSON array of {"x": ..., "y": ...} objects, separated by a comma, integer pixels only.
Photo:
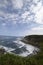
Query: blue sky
[{"x": 21, "y": 17}]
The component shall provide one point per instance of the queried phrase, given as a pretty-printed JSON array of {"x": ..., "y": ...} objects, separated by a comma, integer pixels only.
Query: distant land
[{"x": 33, "y": 39}]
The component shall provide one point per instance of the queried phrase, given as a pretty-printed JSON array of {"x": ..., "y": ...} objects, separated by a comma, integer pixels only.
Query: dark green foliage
[
  {"x": 9, "y": 59},
  {"x": 34, "y": 40}
]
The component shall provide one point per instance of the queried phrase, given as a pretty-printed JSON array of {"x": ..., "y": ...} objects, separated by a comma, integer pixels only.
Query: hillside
[{"x": 33, "y": 39}]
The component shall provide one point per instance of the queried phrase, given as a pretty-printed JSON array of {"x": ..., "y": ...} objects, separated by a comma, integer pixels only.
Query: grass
[{"x": 9, "y": 59}]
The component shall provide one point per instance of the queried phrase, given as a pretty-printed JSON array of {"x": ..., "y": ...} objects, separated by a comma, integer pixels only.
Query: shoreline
[{"x": 31, "y": 50}]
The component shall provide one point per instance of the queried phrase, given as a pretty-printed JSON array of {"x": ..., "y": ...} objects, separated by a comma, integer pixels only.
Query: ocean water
[{"x": 15, "y": 46}]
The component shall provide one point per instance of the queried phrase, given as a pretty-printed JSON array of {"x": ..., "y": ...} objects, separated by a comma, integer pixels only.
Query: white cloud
[
  {"x": 34, "y": 30},
  {"x": 26, "y": 17},
  {"x": 8, "y": 17},
  {"x": 25, "y": 14},
  {"x": 3, "y": 24},
  {"x": 37, "y": 7},
  {"x": 11, "y": 17},
  {"x": 36, "y": 1},
  {"x": 3, "y": 3},
  {"x": 37, "y": 28},
  {"x": 38, "y": 11},
  {"x": 17, "y": 4},
  {"x": 39, "y": 16}
]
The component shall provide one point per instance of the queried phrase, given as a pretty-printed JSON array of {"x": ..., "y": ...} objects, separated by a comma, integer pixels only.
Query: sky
[{"x": 21, "y": 17}]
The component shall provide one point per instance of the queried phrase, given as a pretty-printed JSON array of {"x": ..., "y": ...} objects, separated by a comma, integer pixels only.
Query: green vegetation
[
  {"x": 10, "y": 59},
  {"x": 36, "y": 40}
]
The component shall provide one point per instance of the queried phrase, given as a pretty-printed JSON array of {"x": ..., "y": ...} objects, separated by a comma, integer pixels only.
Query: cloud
[
  {"x": 39, "y": 16},
  {"x": 3, "y": 24},
  {"x": 17, "y": 4},
  {"x": 8, "y": 17},
  {"x": 36, "y": 1},
  {"x": 26, "y": 17},
  {"x": 25, "y": 14},
  {"x": 15, "y": 18},
  {"x": 3, "y": 3},
  {"x": 38, "y": 11},
  {"x": 37, "y": 28}
]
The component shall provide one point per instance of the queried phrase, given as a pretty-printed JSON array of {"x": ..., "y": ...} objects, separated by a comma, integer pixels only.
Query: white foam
[{"x": 28, "y": 47}]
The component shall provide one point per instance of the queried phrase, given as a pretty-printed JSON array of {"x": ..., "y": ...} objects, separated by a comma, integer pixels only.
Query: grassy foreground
[{"x": 9, "y": 59}]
